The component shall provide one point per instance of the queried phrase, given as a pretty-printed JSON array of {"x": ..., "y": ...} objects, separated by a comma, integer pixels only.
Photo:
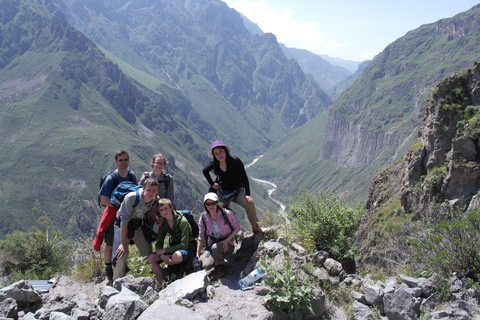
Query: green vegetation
[
  {"x": 288, "y": 292},
  {"x": 38, "y": 254},
  {"x": 450, "y": 244},
  {"x": 324, "y": 223}
]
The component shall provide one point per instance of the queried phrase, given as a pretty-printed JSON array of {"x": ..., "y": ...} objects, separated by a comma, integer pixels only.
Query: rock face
[
  {"x": 444, "y": 165},
  {"x": 376, "y": 116}
]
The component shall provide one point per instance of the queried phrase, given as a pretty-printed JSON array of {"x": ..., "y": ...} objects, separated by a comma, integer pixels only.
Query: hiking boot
[
  {"x": 109, "y": 274},
  {"x": 218, "y": 273},
  {"x": 257, "y": 229}
]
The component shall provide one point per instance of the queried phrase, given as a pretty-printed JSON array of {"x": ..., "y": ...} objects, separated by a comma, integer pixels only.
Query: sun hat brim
[{"x": 217, "y": 144}]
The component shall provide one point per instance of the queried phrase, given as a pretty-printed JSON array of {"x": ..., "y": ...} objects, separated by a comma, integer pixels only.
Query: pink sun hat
[{"x": 216, "y": 144}]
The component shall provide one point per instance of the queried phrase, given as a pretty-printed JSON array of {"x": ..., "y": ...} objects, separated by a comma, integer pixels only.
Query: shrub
[
  {"x": 34, "y": 255},
  {"x": 451, "y": 243},
  {"x": 87, "y": 263},
  {"x": 288, "y": 292},
  {"x": 325, "y": 223}
]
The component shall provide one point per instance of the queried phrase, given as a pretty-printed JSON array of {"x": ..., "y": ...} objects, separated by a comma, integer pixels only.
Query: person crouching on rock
[
  {"x": 178, "y": 256},
  {"x": 218, "y": 226}
]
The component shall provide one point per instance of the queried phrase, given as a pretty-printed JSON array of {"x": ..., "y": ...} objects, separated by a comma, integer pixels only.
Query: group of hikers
[{"x": 151, "y": 207}]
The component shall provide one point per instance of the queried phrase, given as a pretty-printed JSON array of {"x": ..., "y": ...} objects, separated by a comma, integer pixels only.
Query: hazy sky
[{"x": 347, "y": 29}]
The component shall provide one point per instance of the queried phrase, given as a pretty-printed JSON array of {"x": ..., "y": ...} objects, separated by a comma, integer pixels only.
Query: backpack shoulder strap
[
  {"x": 114, "y": 175},
  {"x": 204, "y": 221},
  {"x": 137, "y": 198},
  {"x": 226, "y": 220},
  {"x": 130, "y": 175}
]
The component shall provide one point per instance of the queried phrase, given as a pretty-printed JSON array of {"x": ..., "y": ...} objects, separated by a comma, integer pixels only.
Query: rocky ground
[{"x": 197, "y": 296}]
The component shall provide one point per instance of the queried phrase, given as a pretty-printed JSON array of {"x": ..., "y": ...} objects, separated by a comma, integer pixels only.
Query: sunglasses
[
  {"x": 160, "y": 163},
  {"x": 123, "y": 160},
  {"x": 210, "y": 203}
]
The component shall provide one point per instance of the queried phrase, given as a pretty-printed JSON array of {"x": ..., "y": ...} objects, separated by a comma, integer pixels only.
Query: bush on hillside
[
  {"x": 33, "y": 255},
  {"x": 450, "y": 244},
  {"x": 325, "y": 223},
  {"x": 38, "y": 254}
]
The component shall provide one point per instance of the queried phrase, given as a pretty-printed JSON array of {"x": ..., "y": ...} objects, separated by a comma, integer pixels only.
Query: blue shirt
[{"x": 109, "y": 185}]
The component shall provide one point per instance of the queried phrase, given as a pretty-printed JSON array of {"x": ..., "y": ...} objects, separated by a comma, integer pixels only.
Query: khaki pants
[
  {"x": 240, "y": 200},
  {"x": 217, "y": 257},
  {"x": 142, "y": 244}
]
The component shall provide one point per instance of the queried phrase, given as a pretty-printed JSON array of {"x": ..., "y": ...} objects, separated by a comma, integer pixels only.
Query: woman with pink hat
[{"x": 231, "y": 183}]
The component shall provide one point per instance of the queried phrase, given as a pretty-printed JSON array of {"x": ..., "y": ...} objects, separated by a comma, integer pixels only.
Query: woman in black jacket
[{"x": 231, "y": 183}]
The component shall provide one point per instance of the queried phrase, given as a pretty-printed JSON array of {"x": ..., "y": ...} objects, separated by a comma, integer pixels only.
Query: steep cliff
[
  {"x": 373, "y": 120},
  {"x": 443, "y": 167}
]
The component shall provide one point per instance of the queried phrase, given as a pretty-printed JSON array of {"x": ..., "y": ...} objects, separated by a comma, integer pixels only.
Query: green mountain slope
[
  {"x": 375, "y": 121},
  {"x": 65, "y": 109},
  {"x": 241, "y": 84}
]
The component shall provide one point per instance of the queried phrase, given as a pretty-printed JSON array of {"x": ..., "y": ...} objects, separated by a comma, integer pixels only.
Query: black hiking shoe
[{"x": 109, "y": 274}]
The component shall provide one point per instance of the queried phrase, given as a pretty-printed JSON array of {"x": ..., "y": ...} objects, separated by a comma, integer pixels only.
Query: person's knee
[
  {"x": 152, "y": 258},
  {"x": 177, "y": 257}
]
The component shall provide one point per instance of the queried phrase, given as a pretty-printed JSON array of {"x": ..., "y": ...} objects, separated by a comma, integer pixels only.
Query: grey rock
[
  {"x": 22, "y": 292},
  {"x": 150, "y": 295},
  {"x": 185, "y": 288},
  {"x": 401, "y": 305},
  {"x": 321, "y": 274},
  {"x": 314, "y": 308},
  {"x": 262, "y": 290},
  {"x": 80, "y": 314},
  {"x": 271, "y": 248},
  {"x": 414, "y": 292},
  {"x": 298, "y": 249},
  {"x": 139, "y": 285},
  {"x": 361, "y": 311},
  {"x": 318, "y": 258},
  {"x": 373, "y": 295},
  {"x": 124, "y": 305},
  {"x": 55, "y": 315},
  {"x": 369, "y": 279},
  {"x": 105, "y": 294},
  {"x": 168, "y": 312},
  {"x": 9, "y": 308},
  {"x": 333, "y": 267},
  {"x": 360, "y": 297}
]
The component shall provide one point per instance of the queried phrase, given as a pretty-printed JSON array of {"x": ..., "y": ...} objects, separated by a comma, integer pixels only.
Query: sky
[{"x": 347, "y": 29}]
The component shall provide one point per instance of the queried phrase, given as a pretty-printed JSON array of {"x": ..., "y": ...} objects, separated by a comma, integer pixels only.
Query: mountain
[
  {"x": 80, "y": 80},
  {"x": 436, "y": 180},
  {"x": 239, "y": 83},
  {"x": 375, "y": 121},
  {"x": 335, "y": 91},
  {"x": 443, "y": 165},
  {"x": 350, "y": 65},
  {"x": 326, "y": 75}
]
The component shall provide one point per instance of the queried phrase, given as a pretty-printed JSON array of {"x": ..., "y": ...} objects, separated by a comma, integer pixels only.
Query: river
[{"x": 270, "y": 186}]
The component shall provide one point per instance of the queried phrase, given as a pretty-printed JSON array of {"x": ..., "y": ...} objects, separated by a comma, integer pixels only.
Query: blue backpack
[
  {"x": 115, "y": 181},
  {"x": 122, "y": 190}
]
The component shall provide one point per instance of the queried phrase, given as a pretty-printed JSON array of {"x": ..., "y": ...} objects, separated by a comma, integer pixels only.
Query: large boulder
[
  {"x": 124, "y": 305},
  {"x": 168, "y": 312},
  {"x": 22, "y": 292}
]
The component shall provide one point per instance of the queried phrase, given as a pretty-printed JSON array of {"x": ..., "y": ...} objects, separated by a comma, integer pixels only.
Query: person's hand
[
  {"x": 159, "y": 221},
  {"x": 249, "y": 199},
  {"x": 121, "y": 251},
  {"x": 216, "y": 186},
  {"x": 167, "y": 259},
  {"x": 225, "y": 245}
]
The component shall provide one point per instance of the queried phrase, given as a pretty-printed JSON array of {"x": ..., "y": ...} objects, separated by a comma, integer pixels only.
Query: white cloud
[{"x": 283, "y": 25}]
